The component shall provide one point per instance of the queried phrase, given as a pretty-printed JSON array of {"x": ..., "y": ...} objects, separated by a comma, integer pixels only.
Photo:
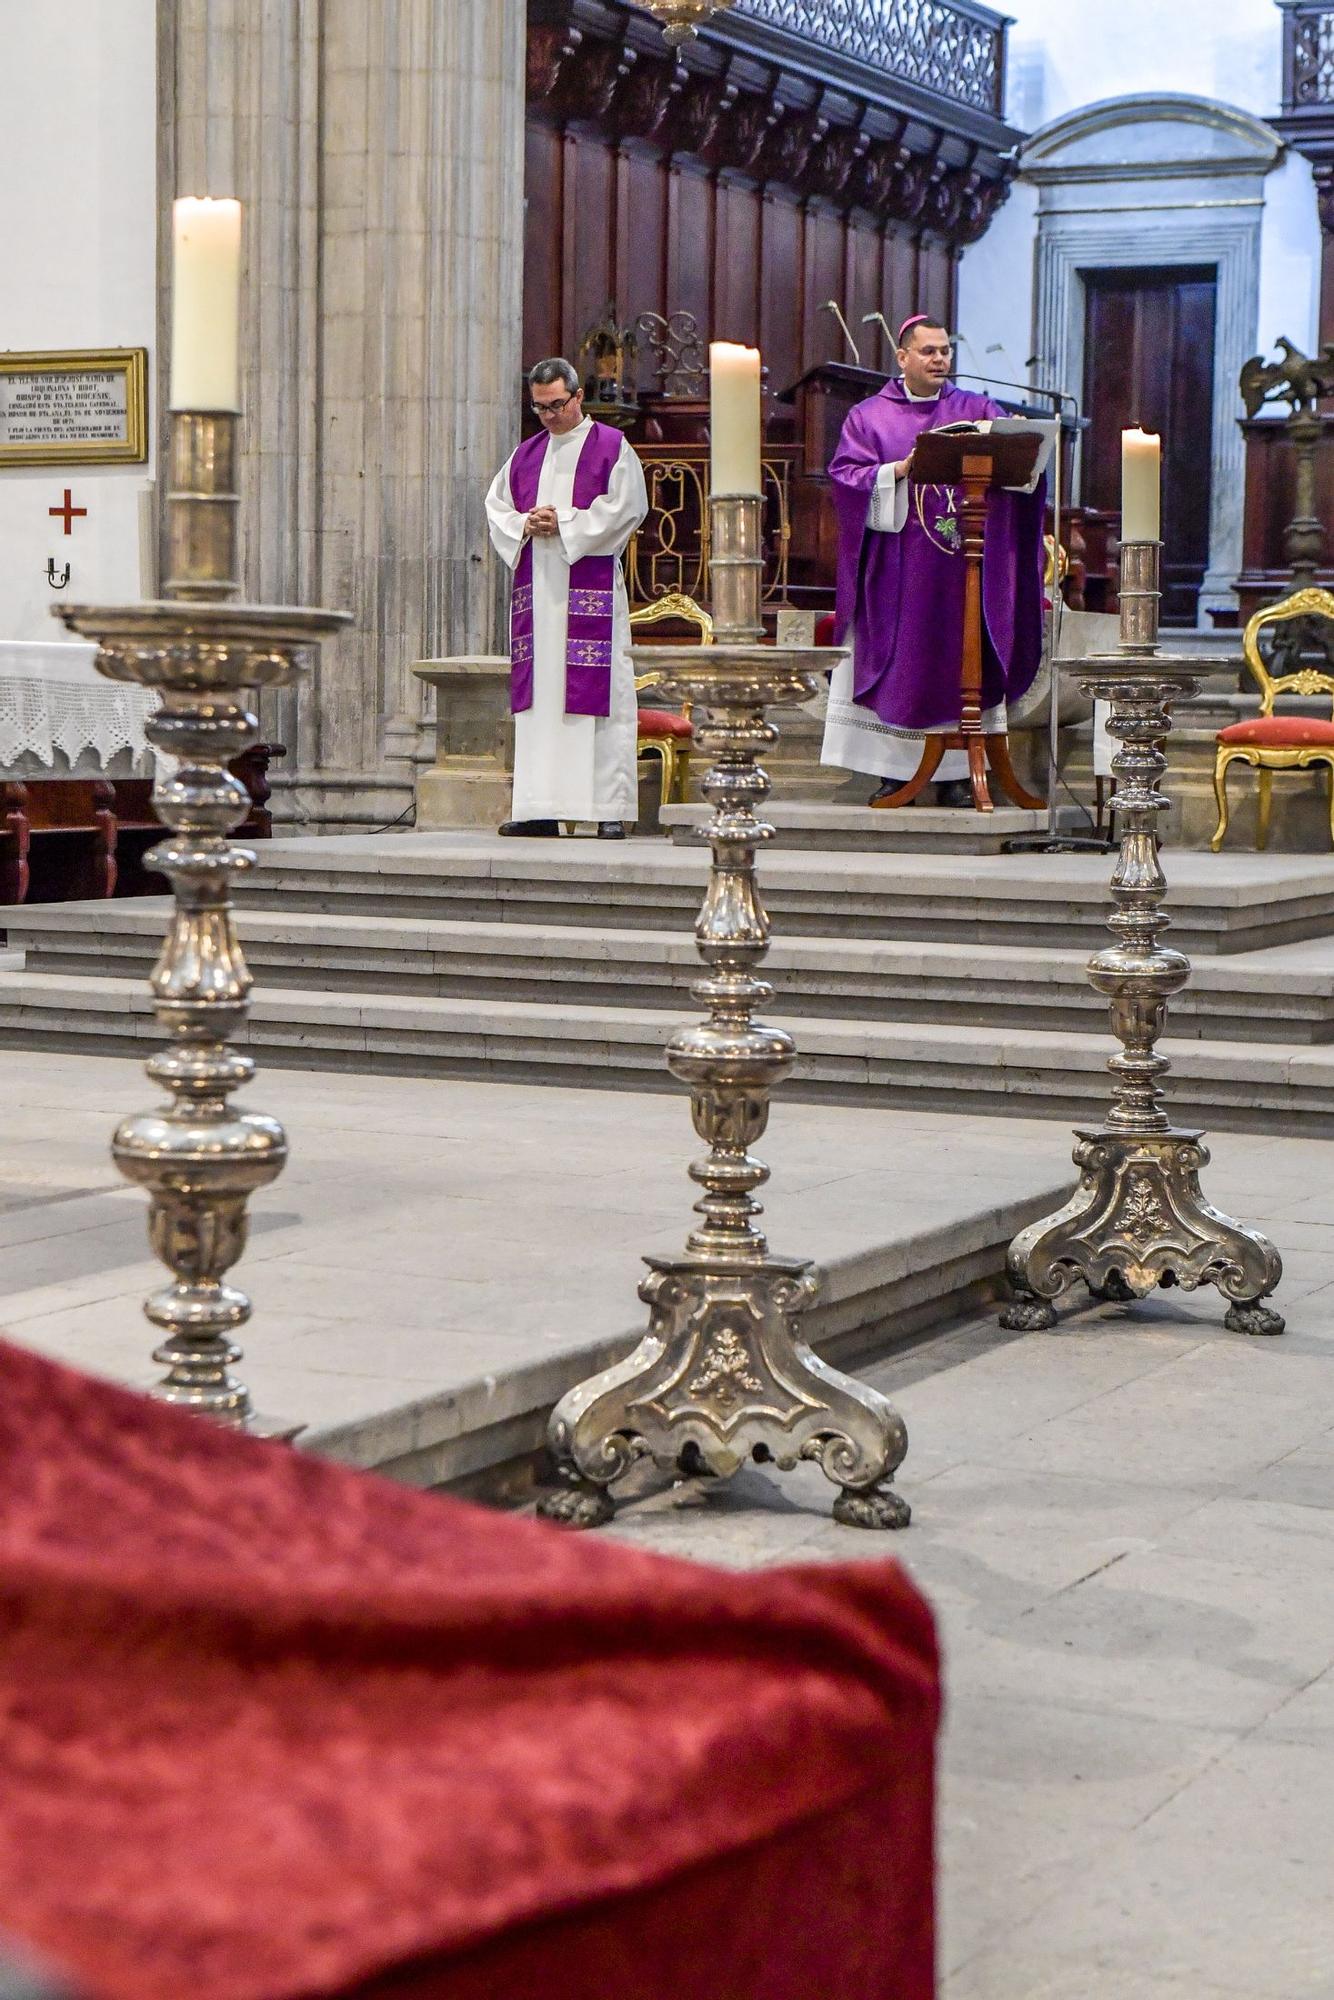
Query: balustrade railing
[
  {"x": 951, "y": 47},
  {"x": 1308, "y": 54}
]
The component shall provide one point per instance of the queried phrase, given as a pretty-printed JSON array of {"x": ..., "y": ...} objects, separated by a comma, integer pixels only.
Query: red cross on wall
[{"x": 68, "y": 512}]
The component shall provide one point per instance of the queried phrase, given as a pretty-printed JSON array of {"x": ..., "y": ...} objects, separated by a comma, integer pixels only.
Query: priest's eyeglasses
[{"x": 553, "y": 409}]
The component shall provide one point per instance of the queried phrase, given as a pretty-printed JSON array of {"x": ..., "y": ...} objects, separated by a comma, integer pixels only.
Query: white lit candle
[
  {"x": 734, "y": 418},
  {"x": 206, "y": 305},
  {"x": 1141, "y": 481}
]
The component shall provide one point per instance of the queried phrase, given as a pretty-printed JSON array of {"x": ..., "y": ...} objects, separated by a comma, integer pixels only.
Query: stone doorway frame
[{"x": 1158, "y": 181}]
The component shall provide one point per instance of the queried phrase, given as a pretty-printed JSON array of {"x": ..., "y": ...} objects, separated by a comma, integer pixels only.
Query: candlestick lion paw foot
[
  {"x": 1253, "y": 1316},
  {"x": 1027, "y": 1313},
  {"x": 871, "y": 1507},
  {"x": 576, "y": 1502}
]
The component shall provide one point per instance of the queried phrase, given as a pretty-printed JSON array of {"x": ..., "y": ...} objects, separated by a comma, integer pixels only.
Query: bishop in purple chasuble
[{"x": 901, "y": 589}]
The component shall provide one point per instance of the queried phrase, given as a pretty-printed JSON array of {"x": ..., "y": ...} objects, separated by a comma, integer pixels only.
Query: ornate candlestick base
[
  {"x": 1138, "y": 1218},
  {"x": 200, "y": 1157},
  {"x": 723, "y": 1373}
]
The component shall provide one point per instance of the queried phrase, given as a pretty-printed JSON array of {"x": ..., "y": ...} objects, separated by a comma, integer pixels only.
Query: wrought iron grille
[
  {"x": 670, "y": 552},
  {"x": 954, "y": 49},
  {"x": 1309, "y": 53}
]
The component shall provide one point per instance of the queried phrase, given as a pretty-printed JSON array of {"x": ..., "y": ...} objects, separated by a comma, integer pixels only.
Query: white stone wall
[
  {"x": 78, "y": 228},
  {"x": 1064, "y": 55}
]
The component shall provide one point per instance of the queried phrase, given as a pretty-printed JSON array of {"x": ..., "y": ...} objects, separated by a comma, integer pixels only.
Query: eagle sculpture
[{"x": 1294, "y": 379}]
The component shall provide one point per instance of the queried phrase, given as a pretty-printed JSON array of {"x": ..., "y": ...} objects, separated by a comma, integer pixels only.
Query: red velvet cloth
[
  {"x": 272, "y": 1728},
  {"x": 1279, "y": 732},
  {"x": 662, "y": 722},
  {"x": 825, "y": 629}
]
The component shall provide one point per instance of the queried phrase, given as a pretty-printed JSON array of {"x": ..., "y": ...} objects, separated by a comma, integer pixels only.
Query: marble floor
[
  {"x": 444, "y": 1255},
  {"x": 1126, "y": 1527}
]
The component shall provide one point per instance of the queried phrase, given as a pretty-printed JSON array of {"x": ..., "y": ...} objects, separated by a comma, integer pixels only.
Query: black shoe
[
  {"x": 611, "y": 829},
  {"x": 545, "y": 829},
  {"x": 887, "y": 790},
  {"x": 956, "y": 792}
]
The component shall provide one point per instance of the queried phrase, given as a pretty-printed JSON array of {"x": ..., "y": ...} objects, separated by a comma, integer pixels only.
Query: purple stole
[{"x": 588, "y": 640}]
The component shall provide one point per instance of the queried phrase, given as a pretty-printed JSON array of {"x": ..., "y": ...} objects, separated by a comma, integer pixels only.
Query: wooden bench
[
  {"x": 75, "y": 839},
  {"x": 59, "y": 840}
]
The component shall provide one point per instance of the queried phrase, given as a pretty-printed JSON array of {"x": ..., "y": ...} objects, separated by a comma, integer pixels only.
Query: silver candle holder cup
[{"x": 1141, "y": 597}]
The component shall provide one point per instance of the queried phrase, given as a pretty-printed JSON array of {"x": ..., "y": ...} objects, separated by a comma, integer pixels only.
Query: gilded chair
[
  {"x": 1270, "y": 742},
  {"x": 663, "y": 733}
]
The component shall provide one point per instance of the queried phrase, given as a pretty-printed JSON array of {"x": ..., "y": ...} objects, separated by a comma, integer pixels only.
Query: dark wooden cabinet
[{"x": 1271, "y": 500}]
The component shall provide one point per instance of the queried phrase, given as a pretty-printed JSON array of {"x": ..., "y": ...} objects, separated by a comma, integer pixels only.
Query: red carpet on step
[{"x": 272, "y": 1728}]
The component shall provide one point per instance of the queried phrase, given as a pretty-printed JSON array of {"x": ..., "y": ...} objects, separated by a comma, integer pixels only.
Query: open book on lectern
[{"x": 1000, "y": 426}]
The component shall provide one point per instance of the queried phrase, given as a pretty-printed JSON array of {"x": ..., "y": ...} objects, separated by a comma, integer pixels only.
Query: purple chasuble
[
  {"x": 589, "y": 632},
  {"x": 901, "y": 596}
]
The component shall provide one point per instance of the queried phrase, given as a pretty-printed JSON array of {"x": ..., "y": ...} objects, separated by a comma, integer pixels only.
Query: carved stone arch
[
  {"x": 1150, "y": 136},
  {"x": 1153, "y": 180}
]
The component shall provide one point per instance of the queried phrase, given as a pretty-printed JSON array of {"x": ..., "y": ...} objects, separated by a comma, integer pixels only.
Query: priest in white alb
[{"x": 561, "y": 512}]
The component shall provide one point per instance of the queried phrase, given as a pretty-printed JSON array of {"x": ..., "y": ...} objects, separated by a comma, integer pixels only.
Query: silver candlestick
[
  {"x": 723, "y": 1373},
  {"x": 200, "y": 1157},
  {"x": 1138, "y": 1218}
]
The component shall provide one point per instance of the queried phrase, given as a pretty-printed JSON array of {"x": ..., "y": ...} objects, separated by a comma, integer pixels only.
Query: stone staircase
[{"x": 941, "y": 980}]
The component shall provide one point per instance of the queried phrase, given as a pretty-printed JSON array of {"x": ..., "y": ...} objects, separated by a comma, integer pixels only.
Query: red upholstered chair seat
[
  {"x": 1280, "y": 732},
  {"x": 270, "y": 1726},
  {"x": 662, "y": 722}
]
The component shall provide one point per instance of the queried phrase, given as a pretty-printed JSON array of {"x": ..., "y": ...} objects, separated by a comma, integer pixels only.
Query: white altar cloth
[{"x": 59, "y": 715}]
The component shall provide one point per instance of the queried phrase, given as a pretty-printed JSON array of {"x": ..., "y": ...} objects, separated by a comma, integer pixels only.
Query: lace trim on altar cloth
[
  {"x": 848, "y": 715},
  {"x": 46, "y": 718}
]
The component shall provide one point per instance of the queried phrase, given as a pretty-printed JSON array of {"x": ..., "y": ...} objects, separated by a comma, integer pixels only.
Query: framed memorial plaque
[{"x": 85, "y": 407}]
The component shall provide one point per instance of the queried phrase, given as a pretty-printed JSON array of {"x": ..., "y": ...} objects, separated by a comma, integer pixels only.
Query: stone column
[{"x": 379, "y": 150}]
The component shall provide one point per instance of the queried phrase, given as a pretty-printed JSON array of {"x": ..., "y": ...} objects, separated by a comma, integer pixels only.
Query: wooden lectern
[{"x": 981, "y": 462}]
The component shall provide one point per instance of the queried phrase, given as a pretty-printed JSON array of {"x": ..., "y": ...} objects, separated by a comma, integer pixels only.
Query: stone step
[
  {"x": 1282, "y": 997},
  {"x": 835, "y": 826},
  {"x": 1229, "y": 1085},
  {"x": 1243, "y": 903}
]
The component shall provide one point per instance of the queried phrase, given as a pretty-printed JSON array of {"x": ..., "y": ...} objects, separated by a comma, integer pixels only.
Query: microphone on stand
[
  {"x": 997, "y": 347},
  {"x": 832, "y": 306}
]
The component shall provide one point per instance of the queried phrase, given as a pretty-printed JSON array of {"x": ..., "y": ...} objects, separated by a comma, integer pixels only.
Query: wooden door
[{"x": 1149, "y": 360}]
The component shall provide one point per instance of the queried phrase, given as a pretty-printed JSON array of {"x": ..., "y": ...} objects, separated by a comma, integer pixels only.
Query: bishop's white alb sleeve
[
  {"x": 508, "y": 527},
  {"x": 605, "y": 528},
  {"x": 889, "y": 503}
]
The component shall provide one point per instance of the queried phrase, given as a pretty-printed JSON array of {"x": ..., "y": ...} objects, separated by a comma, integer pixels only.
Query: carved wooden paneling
[
  {"x": 782, "y": 300},
  {"x": 542, "y": 241},
  {"x": 589, "y": 221},
  {"x": 750, "y": 264},
  {"x": 749, "y": 193},
  {"x": 688, "y": 275}
]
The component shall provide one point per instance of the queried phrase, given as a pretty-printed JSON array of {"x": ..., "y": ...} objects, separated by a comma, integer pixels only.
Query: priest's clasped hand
[
  {"x": 542, "y": 522},
  {"x": 903, "y": 467}
]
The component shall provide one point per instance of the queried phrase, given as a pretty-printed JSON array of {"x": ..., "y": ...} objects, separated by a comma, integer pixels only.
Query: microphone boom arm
[{"x": 832, "y": 306}]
